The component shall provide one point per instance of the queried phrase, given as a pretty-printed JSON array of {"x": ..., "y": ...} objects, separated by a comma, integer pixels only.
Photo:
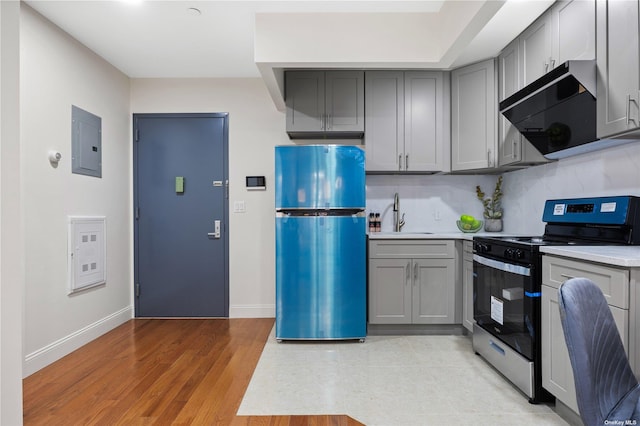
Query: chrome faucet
[{"x": 398, "y": 222}]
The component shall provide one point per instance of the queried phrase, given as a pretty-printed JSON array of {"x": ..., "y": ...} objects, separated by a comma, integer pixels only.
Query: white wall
[
  {"x": 11, "y": 247},
  {"x": 614, "y": 171},
  {"x": 255, "y": 128},
  {"x": 56, "y": 73}
]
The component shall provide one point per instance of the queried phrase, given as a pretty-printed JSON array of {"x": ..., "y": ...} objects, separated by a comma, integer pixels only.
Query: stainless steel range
[{"x": 507, "y": 281}]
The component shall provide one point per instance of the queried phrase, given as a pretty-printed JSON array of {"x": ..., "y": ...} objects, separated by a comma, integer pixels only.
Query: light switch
[
  {"x": 239, "y": 207},
  {"x": 179, "y": 184}
]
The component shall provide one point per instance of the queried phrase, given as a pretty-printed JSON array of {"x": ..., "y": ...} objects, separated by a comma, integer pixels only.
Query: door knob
[{"x": 216, "y": 230}]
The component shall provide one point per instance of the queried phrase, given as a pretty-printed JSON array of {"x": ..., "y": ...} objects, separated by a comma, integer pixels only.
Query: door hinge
[
  {"x": 137, "y": 290},
  {"x": 137, "y": 213}
]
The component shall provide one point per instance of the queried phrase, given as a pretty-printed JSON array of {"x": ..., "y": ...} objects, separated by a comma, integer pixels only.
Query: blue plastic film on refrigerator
[
  {"x": 320, "y": 177},
  {"x": 320, "y": 277}
]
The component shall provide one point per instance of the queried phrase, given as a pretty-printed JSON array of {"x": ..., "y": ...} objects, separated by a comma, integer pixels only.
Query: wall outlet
[{"x": 436, "y": 215}]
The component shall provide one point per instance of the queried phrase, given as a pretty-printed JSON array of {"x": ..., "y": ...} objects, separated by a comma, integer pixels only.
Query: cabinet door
[
  {"x": 424, "y": 121},
  {"x": 304, "y": 92},
  {"x": 344, "y": 97},
  {"x": 390, "y": 291},
  {"x": 618, "y": 76},
  {"x": 557, "y": 374},
  {"x": 473, "y": 117},
  {"x": 433, "y": 291},
  {"x": 535, "y": 48},
  {"x": 574, "y": 23},
  {"x": 467, "y": 285},
  {"x": 384, "y": 126},
  {"x": 509, "y": 82}
]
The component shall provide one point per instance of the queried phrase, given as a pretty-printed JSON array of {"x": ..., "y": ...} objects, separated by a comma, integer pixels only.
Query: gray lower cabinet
[
  {"x": 467, "y": 285},
  {"x": 412, "y": 282},
  {"x": 618, "y": 76},
  {"x": 557, "y": 375}
]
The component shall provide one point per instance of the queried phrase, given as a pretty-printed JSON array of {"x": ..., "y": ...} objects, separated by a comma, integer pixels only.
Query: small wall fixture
[{"x": 54, "y": 158}]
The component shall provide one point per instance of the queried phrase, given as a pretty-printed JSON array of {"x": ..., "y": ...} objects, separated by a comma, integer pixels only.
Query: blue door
[{"x": 180, "y": 178}]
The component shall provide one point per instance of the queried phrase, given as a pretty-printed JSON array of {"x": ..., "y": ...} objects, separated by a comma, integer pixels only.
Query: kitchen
[{"x": 256, "y": 128}]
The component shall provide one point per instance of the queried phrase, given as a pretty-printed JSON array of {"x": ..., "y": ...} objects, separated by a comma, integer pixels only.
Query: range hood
[{"x": 557, "y": 112}]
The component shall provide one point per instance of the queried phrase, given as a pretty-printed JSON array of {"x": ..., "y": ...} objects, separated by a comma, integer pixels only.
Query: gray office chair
[{"x": 606, "y": 387}]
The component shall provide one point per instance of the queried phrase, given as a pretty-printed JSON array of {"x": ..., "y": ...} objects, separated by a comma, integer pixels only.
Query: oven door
[{"x": 506, "y": 302}]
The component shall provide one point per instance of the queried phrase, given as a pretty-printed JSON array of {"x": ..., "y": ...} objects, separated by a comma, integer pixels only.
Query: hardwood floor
[{"x": 157, "y": 371}]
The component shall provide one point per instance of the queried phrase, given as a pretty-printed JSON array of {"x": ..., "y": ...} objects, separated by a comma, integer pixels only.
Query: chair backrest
[{"x": 601, "y": 369}]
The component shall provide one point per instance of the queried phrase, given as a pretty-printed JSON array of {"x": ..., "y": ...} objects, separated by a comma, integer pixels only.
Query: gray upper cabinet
[
  {"x": 473, "y": 117},
  {"x": 535, "y": 47},
  {"x": 406, "y": 123},
  {"x": 513, "y": 149},
  {"x": 618, "y": 76},
  {"x": 325, "y": 103},
  {"x": 509, "y": 82},
  {"x": 384, "y": 126},
  {"x": 565, "y": 31},
  {"x": 574, "y": 30}
]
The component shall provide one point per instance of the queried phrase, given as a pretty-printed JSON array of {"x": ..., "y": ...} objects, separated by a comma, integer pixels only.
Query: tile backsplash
[{"x": 432, "y": 203}]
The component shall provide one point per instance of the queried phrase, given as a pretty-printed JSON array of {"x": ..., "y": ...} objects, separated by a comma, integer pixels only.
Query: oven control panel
[
  {"x": 506, "y": 250},
  {"x": 620, "y": 210}
]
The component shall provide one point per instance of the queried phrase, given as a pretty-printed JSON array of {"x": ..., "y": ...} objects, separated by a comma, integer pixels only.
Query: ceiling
[{"x": 215, "y": 38}]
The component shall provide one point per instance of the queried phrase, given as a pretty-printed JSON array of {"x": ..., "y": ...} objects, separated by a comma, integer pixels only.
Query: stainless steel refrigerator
[{"x": 320, "y": 242}]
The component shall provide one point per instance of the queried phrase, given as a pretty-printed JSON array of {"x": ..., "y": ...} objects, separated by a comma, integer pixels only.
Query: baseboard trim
[
  {"x": 252, "y": 311},
  {"x": 54, "y": 351}
]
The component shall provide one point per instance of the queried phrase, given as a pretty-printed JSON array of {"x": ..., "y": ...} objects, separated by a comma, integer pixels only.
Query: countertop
[
  {"x": 626, "y": 256},
  {"x": 431, "y": 236}
]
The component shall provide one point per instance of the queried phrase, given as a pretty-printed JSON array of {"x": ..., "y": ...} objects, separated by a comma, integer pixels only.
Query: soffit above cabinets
[{"x": 237, "y": 39}]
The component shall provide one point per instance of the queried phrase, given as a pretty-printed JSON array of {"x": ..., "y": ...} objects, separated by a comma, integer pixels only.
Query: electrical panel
[{"x": 86, "y": 143}]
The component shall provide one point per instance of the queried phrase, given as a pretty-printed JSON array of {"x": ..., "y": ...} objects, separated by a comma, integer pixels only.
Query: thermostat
[{"x": 256, "y": 183}]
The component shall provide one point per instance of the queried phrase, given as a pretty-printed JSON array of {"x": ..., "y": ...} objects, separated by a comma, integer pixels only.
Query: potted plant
[{"x": 492, "y": 207}]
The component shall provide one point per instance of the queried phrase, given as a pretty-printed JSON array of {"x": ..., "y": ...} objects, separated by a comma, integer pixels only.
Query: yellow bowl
[{"x": 465, "y": 227}]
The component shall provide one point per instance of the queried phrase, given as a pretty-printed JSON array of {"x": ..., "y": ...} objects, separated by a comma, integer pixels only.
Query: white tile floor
[{"x": 388, "y": 380}]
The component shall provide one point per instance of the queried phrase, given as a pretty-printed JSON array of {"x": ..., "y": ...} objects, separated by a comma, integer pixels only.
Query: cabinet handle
[
  {"x": 628, "y": 107},
  {"x": 408, "y": 274},
  {"x": 406, "y": 162},
  {"x": 629, "y": 101},
  {"x": 329, "y": 122},
  {"x": 568, "y": 277},
  {"x": 552, "y": 62},
  {"x": 415, "y": 274},
  {"x": 400, "y": 162},
  {"x": 546, "y": 67},
  {"x": 489, "y": 162},
  {"x": 515, "y": 146},
  {"x": 321, "y": 121}
]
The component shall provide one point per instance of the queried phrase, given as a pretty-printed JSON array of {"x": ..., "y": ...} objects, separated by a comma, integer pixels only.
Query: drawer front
[
  {"x": 613, "y": 282},
  {"x": 416, "y": 249}
]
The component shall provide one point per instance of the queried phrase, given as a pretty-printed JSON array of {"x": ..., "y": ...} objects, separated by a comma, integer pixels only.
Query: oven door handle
[{"x": 502, "y": 266}]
